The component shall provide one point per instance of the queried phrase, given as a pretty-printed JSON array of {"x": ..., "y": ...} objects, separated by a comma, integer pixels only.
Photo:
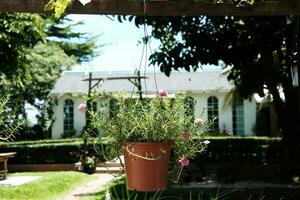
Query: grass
[{"x": 50, "y": 186}]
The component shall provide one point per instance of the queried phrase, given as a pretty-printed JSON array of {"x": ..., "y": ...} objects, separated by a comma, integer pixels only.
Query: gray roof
[{"x": 193, "y": 82}]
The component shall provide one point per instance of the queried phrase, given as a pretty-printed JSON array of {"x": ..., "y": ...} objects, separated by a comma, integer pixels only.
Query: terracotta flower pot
[{"x": 146, "y": 166}]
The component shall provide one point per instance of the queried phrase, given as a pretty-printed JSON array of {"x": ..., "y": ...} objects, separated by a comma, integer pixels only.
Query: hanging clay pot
[{"x": 146, "y": 166}]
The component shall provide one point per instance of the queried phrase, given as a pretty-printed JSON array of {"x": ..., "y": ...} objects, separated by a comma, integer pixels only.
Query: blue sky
[{"x": 122, "y": 51}]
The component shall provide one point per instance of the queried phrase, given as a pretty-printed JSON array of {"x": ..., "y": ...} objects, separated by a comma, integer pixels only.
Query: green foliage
[
  {"x": 7, "y": 130},
  {"x": 78, "y": 44},
  {"x": 118, "y": 191},
  {"x": 156, "y": 120},
  {"x": 34, "y": 50},
  {"x": 242, "y": 150},
  {"x": 18, "y": 33},
  {"x": 47, "y": 151},
  {"x": 58, "y": 6}
]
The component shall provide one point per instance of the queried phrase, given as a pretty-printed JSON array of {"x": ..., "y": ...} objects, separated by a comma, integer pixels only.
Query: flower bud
[
  {"x": 163, "y": 93},
  {"x": 82, "y": 107},
  {"x": 184, "y": 162},
  {"x": 199, "y": 121}
]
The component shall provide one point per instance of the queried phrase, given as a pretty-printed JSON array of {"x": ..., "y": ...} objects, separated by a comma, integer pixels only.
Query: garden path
[{"x": 89, "y": 188}]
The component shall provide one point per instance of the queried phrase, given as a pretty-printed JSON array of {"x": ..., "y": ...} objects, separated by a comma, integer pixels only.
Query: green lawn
[{"x": 50, "y": 186}]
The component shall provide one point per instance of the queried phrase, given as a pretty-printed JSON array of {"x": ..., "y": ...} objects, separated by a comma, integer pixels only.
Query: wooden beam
[{"x": 158, "y": 7}]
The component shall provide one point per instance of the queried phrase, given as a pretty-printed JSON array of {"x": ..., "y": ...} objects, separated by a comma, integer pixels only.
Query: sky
[{"x": 122, "y": 50}]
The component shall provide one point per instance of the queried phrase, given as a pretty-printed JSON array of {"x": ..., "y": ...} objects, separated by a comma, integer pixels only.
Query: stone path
[
  {"x": 17, "y": 180},
  {"x": 89, "y": 188}
]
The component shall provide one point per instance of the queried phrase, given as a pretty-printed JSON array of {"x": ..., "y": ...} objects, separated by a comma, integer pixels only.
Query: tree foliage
[
  {"x": 259, "y": 49},
  {"x": 81, "y": 45},
  {"x": 34, "y": 50}
]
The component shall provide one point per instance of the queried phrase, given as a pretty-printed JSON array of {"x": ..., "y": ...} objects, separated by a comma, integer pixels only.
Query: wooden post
[
  {"x": 158, "y": 7},
  {"x": 139, "y": 85},
  {"x": 87, "y": 127}
]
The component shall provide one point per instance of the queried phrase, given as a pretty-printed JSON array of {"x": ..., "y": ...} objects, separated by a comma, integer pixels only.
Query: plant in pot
[
  {"x": 90, "y": 165},
  {"x": 147, "y": 132}
]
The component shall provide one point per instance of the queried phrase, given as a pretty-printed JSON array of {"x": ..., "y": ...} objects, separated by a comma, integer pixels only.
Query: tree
[
  {"x": 81, "y": 45},
  {"x": 34, "y": 50},
  {"x": 18, "y": 32},
  {"x": 260, "y": 51}
]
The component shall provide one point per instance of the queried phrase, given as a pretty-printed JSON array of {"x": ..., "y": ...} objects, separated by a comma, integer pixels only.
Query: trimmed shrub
[
  {"x": 242, "y": 150},
  {"x": 47, "y": 151},
  {"x": 229, "y": 150}
]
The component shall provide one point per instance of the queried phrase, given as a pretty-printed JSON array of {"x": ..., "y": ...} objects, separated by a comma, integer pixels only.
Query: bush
[
  {"x": 46, "y": 151},
  {"x": 230, "y": 150},
  {"x": 35, "y": 132},
  {"x": 231, "y": 158},
  {"x": 242, "y": 150}
]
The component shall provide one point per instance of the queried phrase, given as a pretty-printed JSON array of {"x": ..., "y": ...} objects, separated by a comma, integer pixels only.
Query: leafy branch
[
  {"x": 7, "y": 131},
  {"x": 58, "y": 6}
]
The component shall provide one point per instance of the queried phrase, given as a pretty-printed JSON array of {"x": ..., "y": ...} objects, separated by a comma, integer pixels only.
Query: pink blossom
[
  {"x": 206, "y": 142},
  {"x": 184, "y": 162},
  {"x": 82, "y": 107},
  {"x": 199, "y": 121},
  {"x": 185, "y": 136},
  {"x": 163, "y": 93}
]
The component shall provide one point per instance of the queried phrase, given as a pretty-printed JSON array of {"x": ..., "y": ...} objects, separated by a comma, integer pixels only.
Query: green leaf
[{"x": 58, "y": 6}]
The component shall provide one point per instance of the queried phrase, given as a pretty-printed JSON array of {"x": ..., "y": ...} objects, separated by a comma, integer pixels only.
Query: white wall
[
  {"x": 79, "y": 117},
  {"x": 225, "y": 113}
]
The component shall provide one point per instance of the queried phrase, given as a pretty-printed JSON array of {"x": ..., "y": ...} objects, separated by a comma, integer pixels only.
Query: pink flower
[
  {"x": 185, "y": 136},
  {"x": 82, "y": 107},
  {"x": 163, "y": 93},
  {"x": 184, "y": 162},
  {"x": 199, "y": 121},
  {"x": 206, "y": 142}
]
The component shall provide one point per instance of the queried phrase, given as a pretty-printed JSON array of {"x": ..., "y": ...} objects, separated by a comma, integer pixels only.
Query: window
[
  {"x": 68, "y": 117},
  {"x": 213, "y": 112},
  {"x": 238, "y": 116}
]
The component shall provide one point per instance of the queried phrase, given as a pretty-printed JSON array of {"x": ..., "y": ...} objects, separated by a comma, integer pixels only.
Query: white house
[{"x": 208, "y": 88}]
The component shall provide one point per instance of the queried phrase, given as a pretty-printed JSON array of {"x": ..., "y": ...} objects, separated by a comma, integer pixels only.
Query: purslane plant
[
  {"x": 155, "y": 120},
  {"x": 7, "y": 130}
]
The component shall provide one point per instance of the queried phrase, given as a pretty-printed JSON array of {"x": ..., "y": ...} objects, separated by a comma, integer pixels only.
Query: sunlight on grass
[{"x": 50, "y": 186}]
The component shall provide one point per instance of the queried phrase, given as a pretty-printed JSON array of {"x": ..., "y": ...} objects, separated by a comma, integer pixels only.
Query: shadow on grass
[{"x": 118, "y": 191}]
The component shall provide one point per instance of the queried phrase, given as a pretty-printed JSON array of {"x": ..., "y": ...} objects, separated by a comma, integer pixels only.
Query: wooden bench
[{"x": 4, "y": 158}]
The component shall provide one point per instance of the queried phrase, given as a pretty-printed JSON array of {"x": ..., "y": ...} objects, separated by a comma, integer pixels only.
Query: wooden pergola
[{"x": 159, "y": 7}]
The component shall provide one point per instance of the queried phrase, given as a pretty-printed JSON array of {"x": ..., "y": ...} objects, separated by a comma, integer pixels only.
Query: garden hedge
[
  {"x": 46, "y": 151},
  {"x": 247, "y": 150},
  {"x": 241, "y": 150}
]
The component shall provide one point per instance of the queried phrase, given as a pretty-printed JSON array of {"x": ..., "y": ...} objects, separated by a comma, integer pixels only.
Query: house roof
[{"x": 189, "y": 82}]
